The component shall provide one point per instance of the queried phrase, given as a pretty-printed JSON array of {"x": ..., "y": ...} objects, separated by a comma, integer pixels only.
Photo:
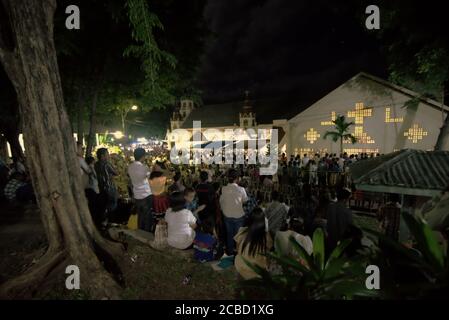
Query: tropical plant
[
  {"x": 314, "y": 276},
  {"x": 341, "y": 132},
  {"x": 417, "y": 271}
]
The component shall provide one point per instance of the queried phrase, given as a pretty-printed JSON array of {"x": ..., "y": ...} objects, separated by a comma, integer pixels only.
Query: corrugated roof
[{"x": 404, "y": 170}]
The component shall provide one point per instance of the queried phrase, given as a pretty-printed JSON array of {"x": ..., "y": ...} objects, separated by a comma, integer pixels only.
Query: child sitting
[
  {"x": 204, "y": 243},
  {"x": 181, "y": 223},
  {"x": 192, "y": 203}
]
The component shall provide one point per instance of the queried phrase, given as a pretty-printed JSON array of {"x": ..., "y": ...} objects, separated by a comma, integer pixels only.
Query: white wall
[{"x": 387, "y": 137}]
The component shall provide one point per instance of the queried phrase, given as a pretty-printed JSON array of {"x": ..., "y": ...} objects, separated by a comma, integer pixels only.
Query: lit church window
[
  {"x": 415, "y": 133},
  {"x": 330, "y": 123},
  {"x": 312, "y": 135},
  {"x": 360, "y": 150},
  {"x": 305, "y": 150},
  {"x": 362, "y": 137},
  {"x": 389, "y": 119},
  {"x": 360, "y": 113}
]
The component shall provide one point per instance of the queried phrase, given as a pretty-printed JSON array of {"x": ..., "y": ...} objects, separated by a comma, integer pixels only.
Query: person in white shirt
[
  {"x": 231, "y": 203},
  {"x": 181, "y": 223},
  {"x": 84, "y": 167},
  {"x": 305, "y": 160},
  {"x": 139, "y": 172},
  {"x": 341, "y": 163}
]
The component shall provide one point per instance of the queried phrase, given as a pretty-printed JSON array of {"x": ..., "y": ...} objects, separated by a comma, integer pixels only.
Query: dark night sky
[{"x": 276, "y": 47}]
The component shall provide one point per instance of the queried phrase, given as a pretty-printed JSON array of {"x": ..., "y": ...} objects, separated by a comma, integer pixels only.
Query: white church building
[{"x": 386, "y": 118}]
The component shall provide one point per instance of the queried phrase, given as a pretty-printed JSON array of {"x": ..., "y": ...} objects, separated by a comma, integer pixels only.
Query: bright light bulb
[
  {"x": 134, "y": 107},
  {"x": 118, "y": 134}
]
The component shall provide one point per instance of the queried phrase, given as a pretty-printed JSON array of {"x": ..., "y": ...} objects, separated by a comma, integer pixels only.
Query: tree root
[{"x": 25, "y": 285}]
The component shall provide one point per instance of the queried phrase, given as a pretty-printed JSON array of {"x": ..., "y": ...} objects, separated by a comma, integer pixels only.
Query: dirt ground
[{"x": 148, "y": 273}]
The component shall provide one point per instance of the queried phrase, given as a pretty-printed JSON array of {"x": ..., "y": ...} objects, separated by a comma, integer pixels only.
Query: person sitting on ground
[
  {"x": 18, "y": 166},
  {"x": 16, "y": 181},
  {"x": 177, "y": 184},
  {"x": 4, "y": 175},
  {"x": 192, "y": 202},
  {"x": 305, "y": 208},
  {"x": 268, "y": 181},
  {"x": 249, "y": 205},
  {"x": 181, "y": 223},
  {"x": 276, "y": 214},
  {"x": 205, "y": 242},
  {"x": 282, "y": 243},
  {"x": 253, "y": 242}
]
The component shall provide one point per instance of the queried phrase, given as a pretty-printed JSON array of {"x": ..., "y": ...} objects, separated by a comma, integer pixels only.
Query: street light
[{"x": 134, "y": 107}]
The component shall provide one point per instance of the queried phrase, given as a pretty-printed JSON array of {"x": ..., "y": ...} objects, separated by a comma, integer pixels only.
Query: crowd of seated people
[
  {"x": 15, "y": 183},
  {"x": 230, "y": 209}
]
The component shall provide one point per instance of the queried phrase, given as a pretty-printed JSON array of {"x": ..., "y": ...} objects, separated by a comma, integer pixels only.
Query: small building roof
[{"x": 409, "y": 171}]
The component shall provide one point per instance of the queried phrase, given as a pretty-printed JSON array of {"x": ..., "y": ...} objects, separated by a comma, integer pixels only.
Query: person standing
[
  {"x": 85, "y": 169},
  {"x": 389, "y": 216},
  {"x": 106, "y": 185},
  {"x": 231, "y": 202},
  {"x": 339, "y": 218},
  {"x": 139, "y": 173},
  {"x": 305, "y": 160},
  {"x": 206, "y": 197},
  {"x": 92, "y": 193}
]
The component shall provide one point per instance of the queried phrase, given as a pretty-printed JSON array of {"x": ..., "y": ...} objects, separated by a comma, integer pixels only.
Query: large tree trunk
[
  {"x": 52, "y": 162},
  {"x": 341, "y": 145}
]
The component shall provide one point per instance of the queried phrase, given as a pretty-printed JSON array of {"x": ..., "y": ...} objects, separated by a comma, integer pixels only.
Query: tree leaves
[
  {"x": 341, "y": 131},
  {"x": 144, "y": 24}
]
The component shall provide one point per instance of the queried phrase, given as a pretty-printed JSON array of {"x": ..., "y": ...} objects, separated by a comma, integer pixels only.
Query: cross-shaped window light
[
  {"x": 312, "y": 135},
  {"x": 360, "y": 113},
  {"x": 415, "y": 133},
  {"x": 330, "y": 123}
]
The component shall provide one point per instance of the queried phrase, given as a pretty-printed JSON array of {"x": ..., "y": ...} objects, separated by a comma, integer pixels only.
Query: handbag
[
  {"x": 132, "y": 222},
  {"x": 160, "y": 237}
]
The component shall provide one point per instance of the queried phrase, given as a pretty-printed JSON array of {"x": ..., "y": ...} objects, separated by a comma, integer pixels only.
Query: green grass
[{"x": 159, "y": 275}]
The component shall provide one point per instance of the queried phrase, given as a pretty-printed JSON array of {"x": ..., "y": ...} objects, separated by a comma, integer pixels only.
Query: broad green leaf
[
  {"x": 426, "y": 241},
  {"x": 333, "y": 268},
  {"x": 303, "y": 254},
  {"x": 349, "y": 288},
  {"x": 318, "y": 248},
  {"x": 285, "y": 261},
  {"x": 336, "y": 253},
  {"x": 400, "y": 249}
]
